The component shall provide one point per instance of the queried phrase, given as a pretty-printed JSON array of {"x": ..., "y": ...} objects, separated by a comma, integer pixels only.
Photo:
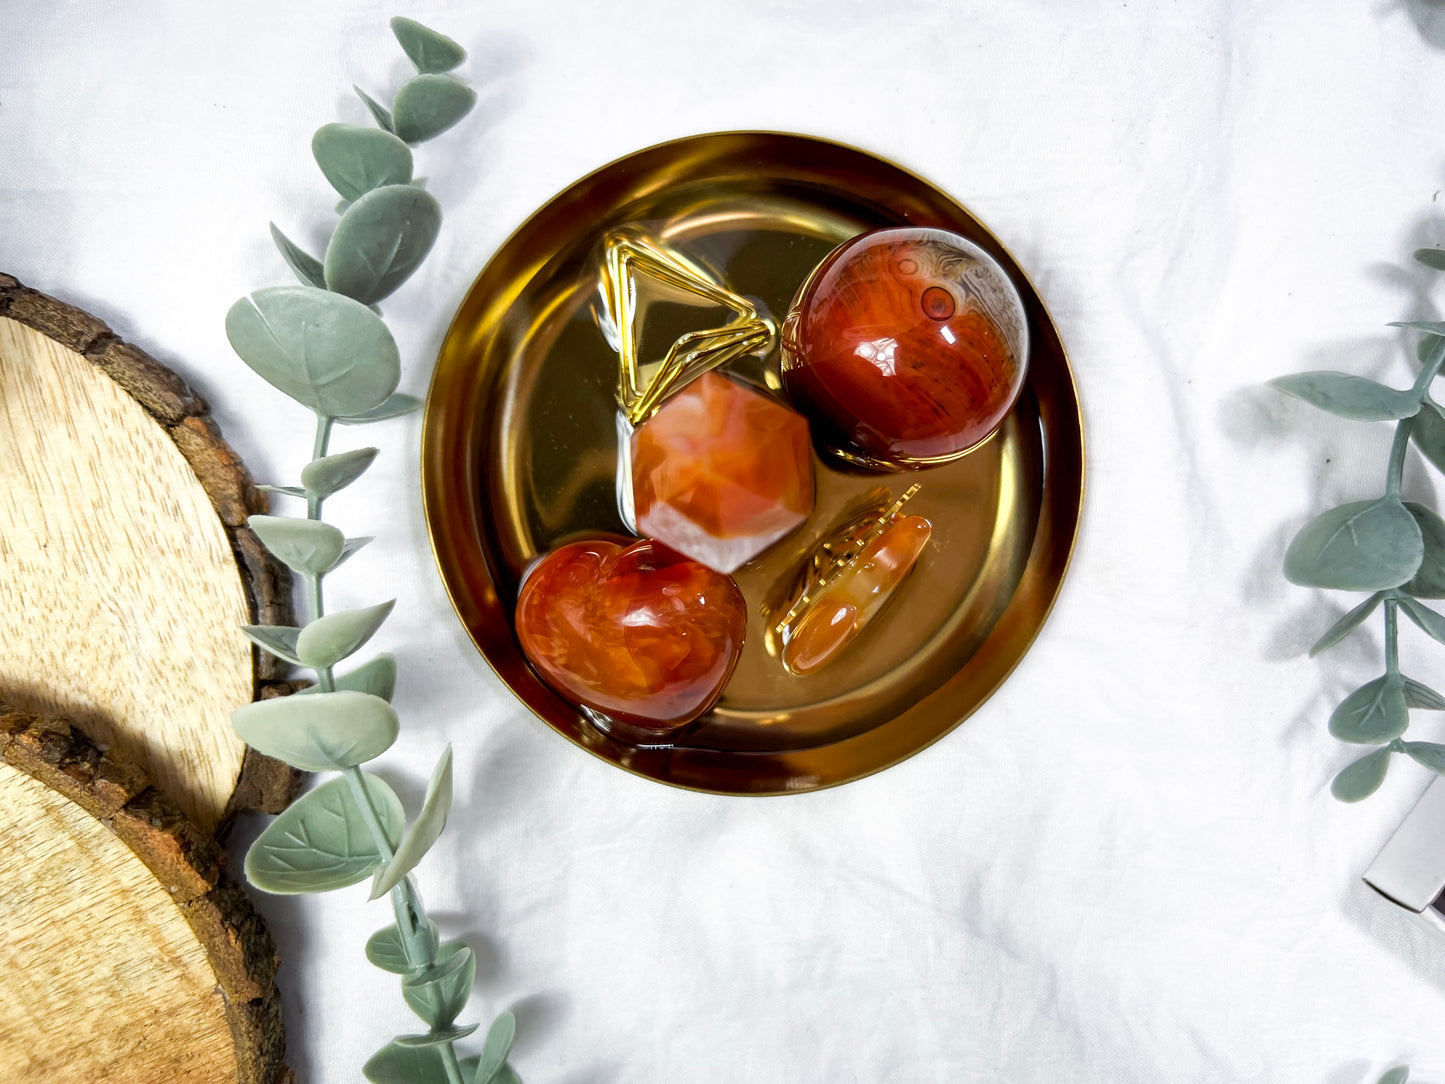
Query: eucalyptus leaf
[
  {"x": 394, "y": 407},
  {"x": 280, "y": 640},
  {"x": 328, "y": 352},
  {"x": 386, "y": 950},
  {"x": 379, "y": 112},
  {"x": 1363, "y": 546},
  {"x": 451, "y": 960},
  {"x": 1429, "y": 327},
  {"x": 506, "y": 1075},
  {"x": 381, "y": 239},
  {"x": 424, "y": 830},
  {"x": 394, "y": 1064},
  {"x": 356, "y": 159},
  {"x": 1375, "y": 712},
  {"x": 497, "y": 1046},
  {"x": 306, "y": 266},
  {"x": 342, "y": 206},
  {"x": 288, "y": 491},
  {"x": 1350, "y": 396},
  {"x": 331, "y": 473},
  {"x": 1430, "y": 350},
  {"x": 328, "y": 640},
  {"x": 1431, "y": 257},
  {"x": 302, "y": 545},
  {"x": 378, "y": 677},
  {"x": 1362, "y": 778},
  {"x": 1429, "y": 579},
  {"x": 1426, "y": 753},
  {"x": 1347, "y": 624},
  {"x": 429, "y": 51},
  {"x": 439, "y": 1000},
  {"x": 350, "y": 547},
  {"x": 449, "y": 1034},
  {"x": 1432, "y": 622},
  {"x": 324, "y": 732},
  {"x": 1428, "y": 433},
  {"x": 428, "y": 105},
  {"x": 1418, "y": 695},
  {"x": 1398, "y": 1075},
  {"x": 320, "y": 842}
]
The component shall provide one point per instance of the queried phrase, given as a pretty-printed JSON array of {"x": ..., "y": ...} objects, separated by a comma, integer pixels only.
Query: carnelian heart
[{"x": 643, "y": 635}]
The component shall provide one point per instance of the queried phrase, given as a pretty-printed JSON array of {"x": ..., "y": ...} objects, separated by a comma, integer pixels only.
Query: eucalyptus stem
[
  {"x": 1431, "y": 368},
  {"x": 1395, "y": 470},
  {"x": 1392, "y": 634},
  {"x": 410, "y": 915},
  {"x": 324, "y": 344},
  {"x": 318, "y": 449}
]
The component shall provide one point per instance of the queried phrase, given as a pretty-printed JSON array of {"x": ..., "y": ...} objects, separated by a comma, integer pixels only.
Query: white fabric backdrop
[{"x": 1127, "y": 868}]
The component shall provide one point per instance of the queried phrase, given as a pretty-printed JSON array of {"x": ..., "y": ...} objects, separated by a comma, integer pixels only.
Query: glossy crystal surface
[
  {"x": 834, "y": 619},
  {"x": 721, "y": 472},
  {"x": 907, "y": 347},
  {"x": 640, "y": 634}
]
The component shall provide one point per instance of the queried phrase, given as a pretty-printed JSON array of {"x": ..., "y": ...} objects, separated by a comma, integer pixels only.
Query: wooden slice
[
  {"x": 125, "y": 954},
  {"x": 125, "y": 562}
]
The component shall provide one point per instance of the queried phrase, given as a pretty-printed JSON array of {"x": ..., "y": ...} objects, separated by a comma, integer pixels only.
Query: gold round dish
[{"x": 519, "y": 448}]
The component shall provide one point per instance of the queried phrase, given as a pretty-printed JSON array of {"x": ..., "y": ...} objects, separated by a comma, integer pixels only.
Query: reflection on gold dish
[{"x": 523, "y": 409}]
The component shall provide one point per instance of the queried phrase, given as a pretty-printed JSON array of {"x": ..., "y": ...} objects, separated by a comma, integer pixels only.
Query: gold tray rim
[{"x": 652, "y": 764}]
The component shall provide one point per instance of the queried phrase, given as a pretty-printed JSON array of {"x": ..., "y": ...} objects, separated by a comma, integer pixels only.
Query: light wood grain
[
  {"x": 125, "y": 563},
  {"x": 119, "y": 596},
  {"x": 125, "y": 954},
  {"x": 106, "y": 978}
]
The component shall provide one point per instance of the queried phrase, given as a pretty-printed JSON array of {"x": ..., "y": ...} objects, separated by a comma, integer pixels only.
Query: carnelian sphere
[
  {"x": 641, "y": 634},
  {"x": 906, "y": 347}
]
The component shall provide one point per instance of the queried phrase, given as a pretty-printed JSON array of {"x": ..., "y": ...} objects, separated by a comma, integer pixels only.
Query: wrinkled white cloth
[{"x": 1127, "y": 867}]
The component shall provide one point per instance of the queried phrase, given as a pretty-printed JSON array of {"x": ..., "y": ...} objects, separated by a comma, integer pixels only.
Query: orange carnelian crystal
[
  {"x": 721, "y": 472},
  {"x": 642, "y": 635},
  {"x": 831, "y": 621},
  {"x": 907, "y": 347}
]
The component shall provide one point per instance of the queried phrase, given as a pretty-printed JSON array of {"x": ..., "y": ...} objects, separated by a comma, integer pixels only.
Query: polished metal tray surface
[{"x": 519, "y": 454}]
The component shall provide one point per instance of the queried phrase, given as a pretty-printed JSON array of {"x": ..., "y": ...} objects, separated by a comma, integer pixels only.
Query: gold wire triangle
[{"x": 628, "y": 254}]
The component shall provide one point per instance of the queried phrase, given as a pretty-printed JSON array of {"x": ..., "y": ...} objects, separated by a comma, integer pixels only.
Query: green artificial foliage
[
  {"x": 428, "y": 50},
  {"x": 379, "y": 112},
  {"x": 1392, "y": 548},
  {"x": 381, "y": 239},
  {"x": 377, "y": 677},
  {"x": 423, "y": 831},
  {"x": 330, "y": 732},
  {"x": 307, "y": 267},
  {"x": 356, "y": 159},
  {"x": 324, "y": 344},
  {"x": 321, "y": 842},
  {"x": 326, "y": 351},
  {"x": 430, "y": 104},
  {"x": 329, "y": 639}
]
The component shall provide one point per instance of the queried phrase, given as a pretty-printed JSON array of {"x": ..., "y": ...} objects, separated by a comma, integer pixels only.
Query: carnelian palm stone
[{"x": 721, "y": 472}]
